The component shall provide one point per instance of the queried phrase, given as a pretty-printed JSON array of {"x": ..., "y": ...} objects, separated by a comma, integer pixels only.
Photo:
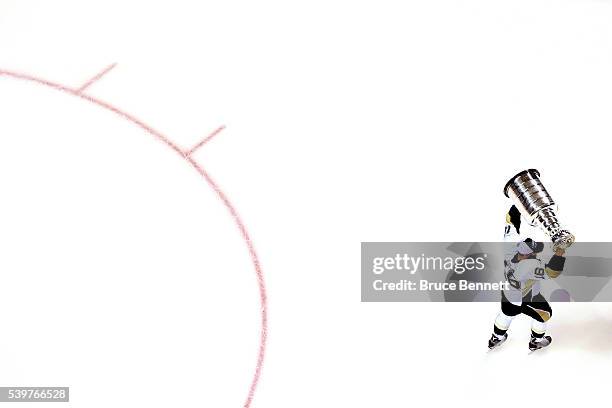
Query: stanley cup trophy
[{"x": 537, "y": 206}]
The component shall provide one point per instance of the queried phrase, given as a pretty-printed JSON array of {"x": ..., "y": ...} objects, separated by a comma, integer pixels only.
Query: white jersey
[
  {"x": 523, "y": 276},
  {"x": 526, "y": 275}
]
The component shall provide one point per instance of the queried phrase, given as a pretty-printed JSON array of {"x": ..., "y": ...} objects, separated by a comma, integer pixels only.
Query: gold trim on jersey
[
  {"x": 552, "y": 273},
  {"x": 528, "y": 285}
]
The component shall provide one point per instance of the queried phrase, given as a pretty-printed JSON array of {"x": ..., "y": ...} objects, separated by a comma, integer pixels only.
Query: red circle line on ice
[{"x": 186, "y": 154}]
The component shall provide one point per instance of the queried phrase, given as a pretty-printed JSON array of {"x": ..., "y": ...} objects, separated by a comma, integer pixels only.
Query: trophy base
[{"x": 562, "y": 240}]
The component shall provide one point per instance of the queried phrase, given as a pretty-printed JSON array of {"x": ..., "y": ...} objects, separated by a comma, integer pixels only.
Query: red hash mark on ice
[
  {"x": 95, "y": 79},
  {"x": 186, "y": 155},
  {"x": 207, "y": 139}
]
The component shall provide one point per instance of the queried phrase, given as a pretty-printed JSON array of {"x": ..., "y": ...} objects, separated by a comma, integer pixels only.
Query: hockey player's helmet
[{"x": 529, "y": 246}]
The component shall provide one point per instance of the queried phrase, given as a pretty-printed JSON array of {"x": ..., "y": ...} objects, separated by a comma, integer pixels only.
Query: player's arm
[{"x": 554, "y": 267}]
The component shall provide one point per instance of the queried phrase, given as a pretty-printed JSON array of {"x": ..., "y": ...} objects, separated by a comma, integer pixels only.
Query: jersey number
[{"x": 539, "y": 273}]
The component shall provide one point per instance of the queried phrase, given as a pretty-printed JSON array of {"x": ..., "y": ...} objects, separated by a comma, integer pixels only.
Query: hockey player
[{"x": 524, "y": 271}]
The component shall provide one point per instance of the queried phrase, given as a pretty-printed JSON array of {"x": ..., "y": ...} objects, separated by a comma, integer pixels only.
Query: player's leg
[
  {"x": 540, "y": 311},
  {"x": 502, "y": 322}
]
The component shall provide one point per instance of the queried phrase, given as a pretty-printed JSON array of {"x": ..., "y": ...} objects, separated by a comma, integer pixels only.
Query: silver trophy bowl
[{"x": 537, "y": 206}]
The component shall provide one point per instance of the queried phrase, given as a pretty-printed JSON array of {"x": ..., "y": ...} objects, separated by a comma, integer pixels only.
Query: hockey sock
[
  {"x": 537, "y": 330},
  {"x": 502, "y": 323}
]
